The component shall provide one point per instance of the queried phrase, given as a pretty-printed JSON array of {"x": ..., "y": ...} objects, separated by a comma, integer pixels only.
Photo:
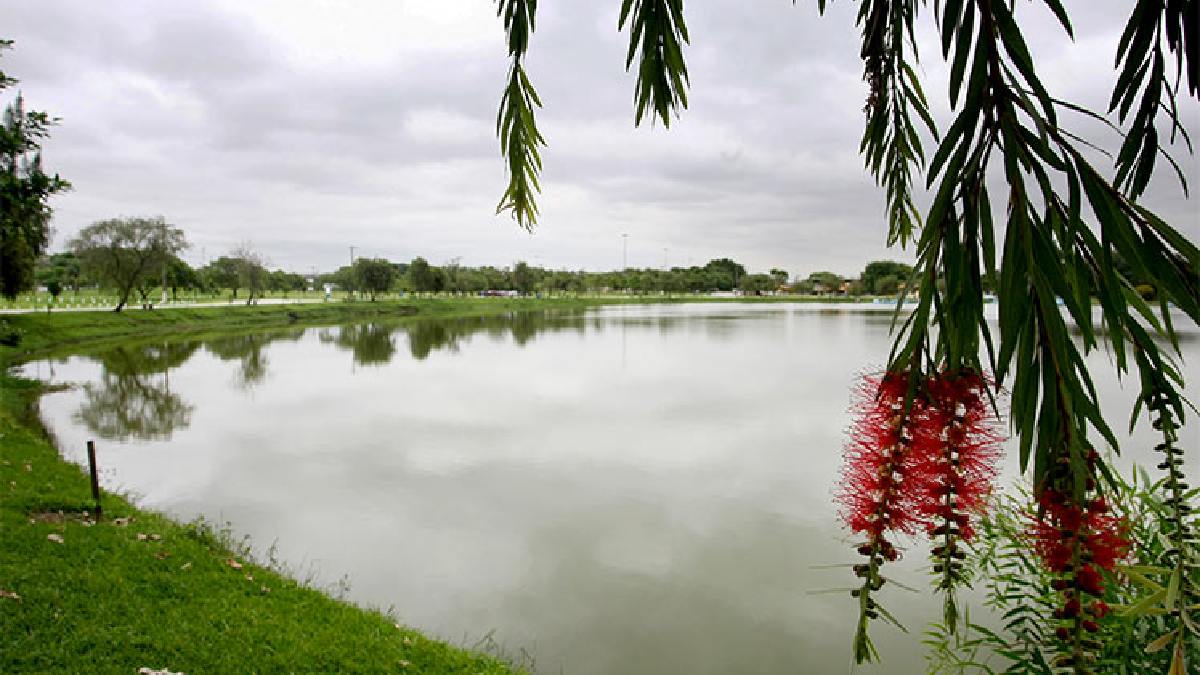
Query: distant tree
[
  {"x": 803, "y": 287},
  {"x": 494, "y": 279},
  {"x": 825, "y": 282},
  {"x": 421, "y": 276},
  {"x": 374, "y": 275},
  {"x": 724, "y": 274},
  {"x": 221, "y": 273},
  {"x": 181, "y": 275},
  {"x": 523, "y": 278},
  {"x": 876, "y": 271},
  {"x": 251, "y": 272},
  {"x": 127, "y": 252},
  {"x": 283, "y": 282},
  {"x": 472, "y": 280},
  {"x": 889, "y": 285},
  {"x": 25, "y": 190},
  {"x": 62, "y": 268},
  {"x": 757, "y": 284},
  {"x": 780, "y": 276}
]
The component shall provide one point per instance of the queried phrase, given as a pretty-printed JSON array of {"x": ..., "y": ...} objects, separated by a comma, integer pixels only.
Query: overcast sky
[{"x": 306, "y": 127}]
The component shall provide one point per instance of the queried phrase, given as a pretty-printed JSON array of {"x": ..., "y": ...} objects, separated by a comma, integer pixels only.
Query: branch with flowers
[{"x": 922, "y": 448}]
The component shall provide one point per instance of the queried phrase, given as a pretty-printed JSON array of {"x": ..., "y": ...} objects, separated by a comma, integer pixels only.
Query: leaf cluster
[
  {"x": 657, "y": 33},
  {"x": 515, "y": 122}
]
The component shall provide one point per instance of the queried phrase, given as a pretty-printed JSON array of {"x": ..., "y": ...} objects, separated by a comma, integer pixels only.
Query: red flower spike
[
  {"x": 1102, "y": 536},
  {"x": 958, "y": 447},
  {"x": 881, "y": 463}
]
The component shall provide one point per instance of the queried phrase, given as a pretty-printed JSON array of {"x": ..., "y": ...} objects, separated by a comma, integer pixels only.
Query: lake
[{"x": 632, "y": 489}]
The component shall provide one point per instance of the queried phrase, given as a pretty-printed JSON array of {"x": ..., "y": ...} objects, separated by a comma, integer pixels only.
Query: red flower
[
  {"x": 928, "y": 467},
  {"x": 1101, "y": 537},
  {"x": 958, "y": 447},
  {"x": 881, "y": 471}
]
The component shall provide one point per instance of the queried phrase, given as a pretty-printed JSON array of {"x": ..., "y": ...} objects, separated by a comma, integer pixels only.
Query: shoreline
[{"x": 139, "y": 589}]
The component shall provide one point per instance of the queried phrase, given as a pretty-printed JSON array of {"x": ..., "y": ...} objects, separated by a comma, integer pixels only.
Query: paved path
[{"x": 134, "y": 307}]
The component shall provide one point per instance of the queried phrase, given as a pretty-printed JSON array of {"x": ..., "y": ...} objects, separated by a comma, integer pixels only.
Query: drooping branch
[
  {"x": 515, "y": 123},
  {"x": 657, "y": 33}
]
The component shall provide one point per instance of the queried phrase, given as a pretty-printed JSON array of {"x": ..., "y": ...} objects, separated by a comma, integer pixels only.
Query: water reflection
[
  {"x": 510, "y": 473},
  {"x": 248, "y": 351},
  {"x": 132, "y": 398}
]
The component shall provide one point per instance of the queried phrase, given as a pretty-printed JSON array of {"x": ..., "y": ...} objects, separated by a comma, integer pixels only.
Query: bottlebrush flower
[
  {"x": 957, "y": 446},
  {"x": 876, "y": 492},
  {"x": 1101, "y": 536}
]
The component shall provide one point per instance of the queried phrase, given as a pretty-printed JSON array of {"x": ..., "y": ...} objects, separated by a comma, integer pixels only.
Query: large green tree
[
  {"x": 126, "y": 253},
  {"x": 25, "y": 191},
  {"x": 374, "y": 275},
  {"x": 1048, "y": 238},
  {"x": 422, "y": 277}
]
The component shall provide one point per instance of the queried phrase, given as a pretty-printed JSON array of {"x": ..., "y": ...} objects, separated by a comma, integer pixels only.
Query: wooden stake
[{"x": 91, "y": 445}]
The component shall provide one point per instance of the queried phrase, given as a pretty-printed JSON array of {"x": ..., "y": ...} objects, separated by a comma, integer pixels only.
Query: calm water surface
[{"x": 628, "y": 490}]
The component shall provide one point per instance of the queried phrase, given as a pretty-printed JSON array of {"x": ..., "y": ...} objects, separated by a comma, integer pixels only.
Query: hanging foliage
[{"x": 1059, "y": 237}]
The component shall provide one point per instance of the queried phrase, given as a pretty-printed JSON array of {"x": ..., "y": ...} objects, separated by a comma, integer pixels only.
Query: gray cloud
[{"x": 306, "y": 128}]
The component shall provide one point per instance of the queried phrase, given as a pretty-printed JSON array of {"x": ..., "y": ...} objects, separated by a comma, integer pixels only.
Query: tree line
[{"x": 139, "y": 258}]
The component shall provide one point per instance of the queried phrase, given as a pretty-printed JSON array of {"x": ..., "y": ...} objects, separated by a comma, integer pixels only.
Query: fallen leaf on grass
[
  {"x": 151, "y": 671},
  {"x": 156, "y": 537},
  {"x": 162, "y": 555},
  {"x": 264, "y": 590},
  {"x": 234, "y": 564},
  {"x": 186, "y": 566},
  {"x": 10, "y": 595},
  {"x": 121, "y": 522},
  {"x": 142, "y": 536},
  {"x": 56, "y": 538},
  {"x": 407, "y": 642},
  {"x": 404, "y": 664},
  {"x": 249, "y": 577},
  {"x": 28, "y": 466}
]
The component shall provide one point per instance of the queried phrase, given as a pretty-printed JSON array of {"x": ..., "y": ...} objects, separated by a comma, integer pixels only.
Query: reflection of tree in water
[
  {"x": 371, "y": 343},
  {"x": 375, "y": 344},
  {"x": 133, "y": 398},
  {"x": 248, "y": 350},
  {"x": 426, "y": 336}
]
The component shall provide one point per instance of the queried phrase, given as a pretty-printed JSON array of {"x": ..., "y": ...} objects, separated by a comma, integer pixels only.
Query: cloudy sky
[{"x": 307, "y": 127}]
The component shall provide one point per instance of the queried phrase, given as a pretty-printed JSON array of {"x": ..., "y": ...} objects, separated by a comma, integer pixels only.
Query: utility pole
[
  {"x": 162, "y": 236},
  {"x": 624, "y": 252},
  {"x": 352, "y": 255}
]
